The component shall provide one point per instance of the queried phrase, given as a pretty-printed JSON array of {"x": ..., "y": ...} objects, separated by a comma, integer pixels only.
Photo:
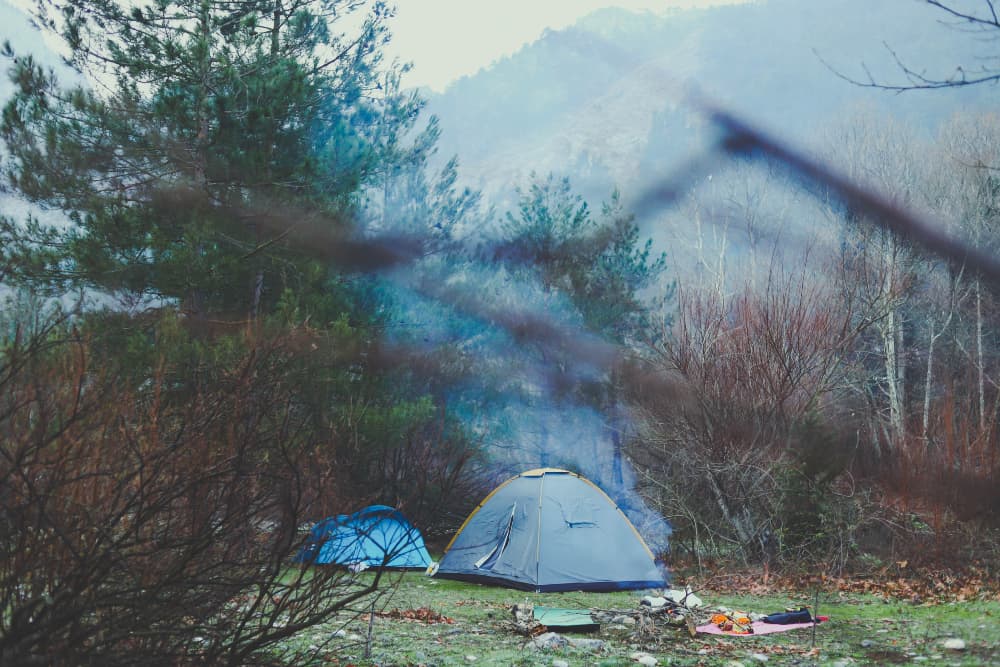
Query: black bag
[{"x": 788, "y": 617}]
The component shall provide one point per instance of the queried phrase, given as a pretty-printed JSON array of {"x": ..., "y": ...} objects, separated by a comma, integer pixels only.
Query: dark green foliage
[
  {"x": 225, "y": 144},
  {"x": 816, "y": 523},
  {"x": 222, "y": 125},
  {"x": 600, "y": 264}
]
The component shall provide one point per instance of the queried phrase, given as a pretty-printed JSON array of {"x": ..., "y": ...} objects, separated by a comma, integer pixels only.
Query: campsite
[
  {"x": 547, "y": 570},
  {"x": 412, "y": 333},
  {"x": 425, "y": 621}
]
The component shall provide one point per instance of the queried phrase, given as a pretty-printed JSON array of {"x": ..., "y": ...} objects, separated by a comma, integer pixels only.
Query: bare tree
[
  {"x": 879, "y": 268},
  {"x": 753, "y": 365},
  {"x": 979, "y": 20}
]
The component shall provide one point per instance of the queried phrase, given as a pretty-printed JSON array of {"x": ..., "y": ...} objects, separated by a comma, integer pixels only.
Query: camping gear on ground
[
  {"x": 685, "y": 598},
  {"x": 759, "y": 628},
  {"x": 736, "y": 623},
  {"x": 550, "y": 530},
  {"x": 566, "y": 620},
  {"x": 377, "y": 536},
  {"x": 793, "y": 616}
]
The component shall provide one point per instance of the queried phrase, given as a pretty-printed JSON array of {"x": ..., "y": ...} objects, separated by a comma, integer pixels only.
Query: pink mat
[{"x": 759, "y": 628}]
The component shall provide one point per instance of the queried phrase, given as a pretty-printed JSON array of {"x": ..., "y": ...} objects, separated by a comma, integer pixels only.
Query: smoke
[{"x": 528, "y": 372}]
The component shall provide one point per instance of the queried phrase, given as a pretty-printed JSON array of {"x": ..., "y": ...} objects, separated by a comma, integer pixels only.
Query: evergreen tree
[
  {"x": 597, "y": 263},
  {"x": 214, "y": 132},
  {"x": 212, "y": 151}
]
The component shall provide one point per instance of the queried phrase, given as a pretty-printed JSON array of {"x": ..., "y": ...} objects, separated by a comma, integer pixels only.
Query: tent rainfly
[
  {"x": 550, "y": 530},
  {"x": 377, "y": 536}
]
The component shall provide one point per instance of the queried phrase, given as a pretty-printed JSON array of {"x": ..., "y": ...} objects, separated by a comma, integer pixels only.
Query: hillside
[{"x": 563, "y": 104}]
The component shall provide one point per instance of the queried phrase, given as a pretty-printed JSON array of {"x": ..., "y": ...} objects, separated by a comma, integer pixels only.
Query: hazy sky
[{"x": 446, "y": 39}]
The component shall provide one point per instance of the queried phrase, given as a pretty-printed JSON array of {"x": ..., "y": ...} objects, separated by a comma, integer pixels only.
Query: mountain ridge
[{"x": 560, "y": 104}]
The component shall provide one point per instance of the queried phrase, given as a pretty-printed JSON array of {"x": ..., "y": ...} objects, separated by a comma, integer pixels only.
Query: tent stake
[
  {"x": 815, "y": 614},
  {"x": 371, "y": 628}
]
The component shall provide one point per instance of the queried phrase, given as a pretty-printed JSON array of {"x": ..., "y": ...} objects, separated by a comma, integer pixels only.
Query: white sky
[{"x": 447, "y": 39}]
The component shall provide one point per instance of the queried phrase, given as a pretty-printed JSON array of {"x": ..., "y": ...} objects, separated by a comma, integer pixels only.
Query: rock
[
  {"x": 587, "y": 644},
  {"x": 867, "y": 643},
  {"x": 647, "y": 660},
  {"x": 734, "y": 663},
  {"x": 954, "y": 644},
  {"x": 549, "y": 640},
  {"x": 470, "y": 658},
  {"x": 685, "y": 597},
  {"x": 759, "y": 657},
  {"x": 560, "y": 663},
  {"x": 654, "y": 602},
  {"x": 354, "y": 637}
]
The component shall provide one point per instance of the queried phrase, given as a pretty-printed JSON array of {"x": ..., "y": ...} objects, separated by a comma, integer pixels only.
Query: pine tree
[
  {"x": 218, "y": 147},
  {"x": 601, "y": 266},
  {"x": 599, "y": 263},
  {"x": 212, "y": 134}
]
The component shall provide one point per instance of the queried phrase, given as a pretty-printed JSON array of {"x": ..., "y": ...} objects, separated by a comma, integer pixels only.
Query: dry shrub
[
  {"x": 725, "y": 464},
  {"x": 137, "y": 527}
]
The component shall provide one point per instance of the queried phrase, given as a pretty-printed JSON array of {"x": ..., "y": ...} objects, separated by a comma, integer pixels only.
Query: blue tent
[
  {"x": 550, "y": 530},
  {"x": 375, "y": 536}
]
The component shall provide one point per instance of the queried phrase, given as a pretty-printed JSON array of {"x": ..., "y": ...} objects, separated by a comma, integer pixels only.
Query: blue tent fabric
[
  {"x": 375, "y": 536},
  {"x": 550, "y": 530}
]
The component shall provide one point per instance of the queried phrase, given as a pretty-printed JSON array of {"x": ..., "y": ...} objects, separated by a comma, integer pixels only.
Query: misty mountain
[{"x": 602, "y": 101}]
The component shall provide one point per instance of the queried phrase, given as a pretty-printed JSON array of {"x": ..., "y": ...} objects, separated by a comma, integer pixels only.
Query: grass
[{"x": 864, "y": 630}]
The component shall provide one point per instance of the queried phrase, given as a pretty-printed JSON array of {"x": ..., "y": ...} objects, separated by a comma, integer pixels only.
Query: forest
[{"x": 244, "y": 291}]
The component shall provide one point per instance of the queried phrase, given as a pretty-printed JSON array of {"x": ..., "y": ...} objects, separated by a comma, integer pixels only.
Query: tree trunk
[
  {"x": 925, "y": 422},
  {"x": 720, "y": 498},
  {"x": 893, "y": 379},
  {"x": 981, "y": 384}
]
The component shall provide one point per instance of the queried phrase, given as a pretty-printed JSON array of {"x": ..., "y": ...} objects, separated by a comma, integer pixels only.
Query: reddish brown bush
[{"x": 137, "y": 527}]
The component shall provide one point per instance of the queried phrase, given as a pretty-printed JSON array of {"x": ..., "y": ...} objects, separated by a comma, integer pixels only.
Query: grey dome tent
[{"x": 550, "y": 530}]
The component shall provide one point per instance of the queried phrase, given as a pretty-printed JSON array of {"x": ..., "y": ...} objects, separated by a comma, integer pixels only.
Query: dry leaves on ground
[
  {"x": 899, "y": 582},
  {"x": 419, "y": 615}
]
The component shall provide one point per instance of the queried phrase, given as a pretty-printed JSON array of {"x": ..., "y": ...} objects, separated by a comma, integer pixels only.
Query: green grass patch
[{"x": 863, "y": 630}]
